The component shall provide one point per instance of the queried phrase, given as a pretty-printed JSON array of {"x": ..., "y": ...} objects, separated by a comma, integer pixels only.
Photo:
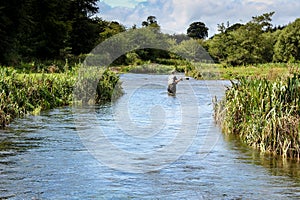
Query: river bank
[
  {"x": 264, "y": 114},
  {"x": 270, "y": 71},
  {"x": 48, "y": 160},
  {"x": 24, "y": 94},
  {"x": 213, "y": 71},
  {"x": 28, "y": 94}
]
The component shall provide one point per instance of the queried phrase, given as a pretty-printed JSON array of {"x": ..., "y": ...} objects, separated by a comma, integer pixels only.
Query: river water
[{"x": 144, "y": 145}]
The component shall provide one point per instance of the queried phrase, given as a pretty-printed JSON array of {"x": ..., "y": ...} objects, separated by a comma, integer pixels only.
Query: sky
[{"x": 175, "y": 16}]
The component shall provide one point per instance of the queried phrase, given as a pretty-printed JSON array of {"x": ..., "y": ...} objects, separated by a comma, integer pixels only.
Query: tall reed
[
  {"x": 264, "y": 114},
  {"x": 96, "y": 85},
  {"x": 23, "y": 94}
]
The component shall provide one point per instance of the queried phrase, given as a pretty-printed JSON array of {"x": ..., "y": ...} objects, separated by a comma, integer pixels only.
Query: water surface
[{"x": 47, "y": 156}]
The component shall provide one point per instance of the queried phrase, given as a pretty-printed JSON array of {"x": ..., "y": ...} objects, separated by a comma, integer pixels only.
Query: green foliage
[
  {"x": 287, "y": 48},
  {"x": 250, "y": 45},
  {"x": 44, "y": 30},
  {"x": 191, "y": 50},
  {"x": 22, "y": 94},
  {"x": 40, "y": 31},
  {"x": 11, "y": 17},
  {"x": 47, "y": 33},
  {"x": 132, "y": 58},
  {"x": 244, "y": 44},
  {"x": 218, "y": 47},
  {"x": 264, "y": 21},
  {"x": 151, "y": 69},
  {"x": 151, "y": 22},
  {"x": 96, "y": 85},
  {"x": 108, "y": 87},
  {"x": 84, "y": 35},
  {"x": 179, "y": 37},
  {"x": 149, "y": 45},
  {"x": 172, "y": 61},
  {"x": 264, "y": 114},
  {"x": 110, "y": 29},
  {"x": 197, "y": 30}
]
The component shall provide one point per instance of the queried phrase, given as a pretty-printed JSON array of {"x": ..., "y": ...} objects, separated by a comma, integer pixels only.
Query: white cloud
[
  {"x": 177, "y": 15},
  {"x": 123, "y": 3}
]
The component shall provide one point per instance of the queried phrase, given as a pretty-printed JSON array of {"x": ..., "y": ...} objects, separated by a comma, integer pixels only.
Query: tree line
[
  {"x": 257, "y": 41},
  {"x": 54, "y": 29},
  {"x": 50, "y": 29}
]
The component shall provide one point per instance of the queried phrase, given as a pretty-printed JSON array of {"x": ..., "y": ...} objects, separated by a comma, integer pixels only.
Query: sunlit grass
[
  {"x": 270, "y": 71},
  {"x": 24, "y": 94},
  {"x": 265, "y": 114}
]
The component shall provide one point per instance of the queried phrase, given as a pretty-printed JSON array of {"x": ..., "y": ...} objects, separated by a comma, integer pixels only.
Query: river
[{"x": 144, "y": 145}]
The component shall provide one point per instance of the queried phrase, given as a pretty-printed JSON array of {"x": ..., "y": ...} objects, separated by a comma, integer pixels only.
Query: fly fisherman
[{"x": 172, "y": 82}]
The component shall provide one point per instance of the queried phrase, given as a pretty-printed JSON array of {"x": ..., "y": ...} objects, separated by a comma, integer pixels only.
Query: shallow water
[{"x": 145, "y": 145}]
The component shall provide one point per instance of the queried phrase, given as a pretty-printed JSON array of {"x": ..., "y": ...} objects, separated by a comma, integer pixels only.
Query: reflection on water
[
  {"x": 276, "y": 165},
  {"x": 43, "y": 157}
]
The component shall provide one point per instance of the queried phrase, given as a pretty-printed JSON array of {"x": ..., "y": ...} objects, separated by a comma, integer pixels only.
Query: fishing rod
[{"x": 185, "y": 78}]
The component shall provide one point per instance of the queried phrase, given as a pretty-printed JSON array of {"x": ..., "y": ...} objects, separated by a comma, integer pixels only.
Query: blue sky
[{"x": 175, "y": 16}]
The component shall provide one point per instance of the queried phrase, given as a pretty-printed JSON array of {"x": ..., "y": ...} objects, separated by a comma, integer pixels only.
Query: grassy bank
[
  {"x": 24, "y": 94},
  {"x": 270, "y": 71},
  {"x": 148, "y": 68},
  {"x": 212, "y": 71},
  {"x": 264, "y": 114}
]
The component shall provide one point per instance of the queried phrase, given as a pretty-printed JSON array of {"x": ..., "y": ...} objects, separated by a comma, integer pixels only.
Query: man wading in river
[{"x": 172, "y": 82}]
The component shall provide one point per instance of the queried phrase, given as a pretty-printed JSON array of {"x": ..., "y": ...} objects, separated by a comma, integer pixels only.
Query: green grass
[
  {"x": 148, "y": 68},
  {"x": 264, "y": 114},
  {"x": 270, "y": 71},
  {"x": 212, "y": 71},
  {"x": 24, "y": 94}
]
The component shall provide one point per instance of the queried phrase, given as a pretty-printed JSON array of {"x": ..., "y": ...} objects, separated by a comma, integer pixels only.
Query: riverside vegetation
[
  {"x": 264, "y": 114},
  {"x": 22, "y": 94},
  {"x": 263, "y": 110}
]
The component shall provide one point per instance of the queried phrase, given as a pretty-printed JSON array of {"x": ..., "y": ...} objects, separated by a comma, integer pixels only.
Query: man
[{"x": 172, "y": 82}]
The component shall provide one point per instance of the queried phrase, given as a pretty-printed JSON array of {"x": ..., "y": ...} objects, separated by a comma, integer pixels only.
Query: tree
[
  {"x": 110, "y": 29},
  {"x": 48, "y": 31},
  {"x": 191, "y": 50},
  {"x": 148, "y": 36},
  {"x": 84, "y": 32},
  {"x": 151, "y": 22},
  {"x": 264, "y": 21},
  {"x": 197, "y": 30},
  {"x": 249, "y": 46},
  {"x": 287, "y": 48},
  {"x": 218, "y": 46},
  {"x": 233, "y": 27},
  {"x": 245, "y": 44},
  {"x": 12, "y": 18},
  {"x": 222, "y": 28},
  {"x": 84, "y": 35},
  {"x": 143, "y": 44},
  {"x": 179, "y": 37}
]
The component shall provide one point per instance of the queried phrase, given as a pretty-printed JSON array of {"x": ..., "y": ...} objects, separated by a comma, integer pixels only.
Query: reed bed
[
  {"x": 264, "y": 114},
  {"x": 149, "y": 68},
  {"x": 89, "y": 89},
  {"x": 28, "y": 94}
]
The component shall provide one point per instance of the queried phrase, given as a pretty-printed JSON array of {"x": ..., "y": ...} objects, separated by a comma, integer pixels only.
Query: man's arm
[{"x": 178, "y": 80}]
